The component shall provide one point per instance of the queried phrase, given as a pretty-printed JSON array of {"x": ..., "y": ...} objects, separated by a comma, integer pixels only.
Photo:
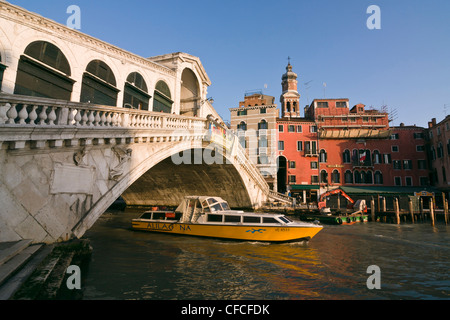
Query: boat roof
[{"x": 202, "y": 198}]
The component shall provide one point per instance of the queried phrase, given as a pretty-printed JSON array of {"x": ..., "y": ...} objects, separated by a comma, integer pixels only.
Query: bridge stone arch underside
[
  {"x": 152, "y": 178},
  {"x": 55, "y": 195}
]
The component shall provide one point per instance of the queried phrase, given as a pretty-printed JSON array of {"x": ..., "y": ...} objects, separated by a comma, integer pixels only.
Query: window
[
  {"x": 299, "y": 145},
  {"x": 243, "y": 142},
  {"x": 433, "y": 153},
  {"x": 440, "y": 150},
  {"x": 323, "y": 176},
  {"x": 291, "y": 164},
  {"x": 422, "y": 164},
  {"x": 99, "y": 84},
  {"x": 262, "y": 142},
  {"x": 162, "y": 101},
  {"x": 249, "y": 219},
  {"x": 262, "y": 125},
  {"x": 135, "y": 95},
  {"x": 280, "y": 128},
  {"x": 397, "y": 164},
  {"x": 292, "y": 179},
  {"x": 314, "y": 165},
  {"x": 232, "y": 218},
  {"x": 394, "y": 136},
  {"x": 341, "y": 104},
  {"x": 407, "y": 164},
  {"x": 313, "y": 129},
  {"x": 395, "y": 149},
  {"x": 314, "y": 179},
  {"x": 418, "y": 135},
  {"x": 367, "y": 177},
  {"x": 2, "y": 69},
  {"x": 378, "y": 177},
  {"x": 281, "y": 145},
  {"x": 408, "y": 181},
  {"x": 215, "y": 217},
  {"x": 322, "y": 104},
  {"x": 444, "y": 175},
  {"x": 323, "y": 156},
  {"x": 270, "y": 220},
  {"x": 357, "y": 176},
  {"x": 310, "y": 147},
  {"x": 420, "y": 148},
  {"x": 263, "y": 159},
  {"x": 348, "y": 177},
  {"x": 398, "y": 181},
  {"x": 291, "y": 128},
  {"x": 336, "y": 177},
  {"x": 262, "y": 111},
  {"x": 346, "y": 156},
  {"x": 376, "y": 157},
  {"x": 423, "y": 181},
  {"x": 299, "y": 128},
  {"x": 242, "y": 112},
  {"x": 387, "y": 158},
  {"x": 43, "y": 71},
  {"x": 242, "y": 126}
]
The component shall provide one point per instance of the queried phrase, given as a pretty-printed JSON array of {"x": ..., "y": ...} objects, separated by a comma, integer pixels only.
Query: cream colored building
[{"x": 255, "y": 122}]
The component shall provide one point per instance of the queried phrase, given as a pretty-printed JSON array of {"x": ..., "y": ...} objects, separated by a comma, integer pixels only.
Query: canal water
[{"x": 413, "y": 260}]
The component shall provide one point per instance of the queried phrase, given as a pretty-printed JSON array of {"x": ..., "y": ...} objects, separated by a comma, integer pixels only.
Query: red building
[{"x": 335, "y": 145}]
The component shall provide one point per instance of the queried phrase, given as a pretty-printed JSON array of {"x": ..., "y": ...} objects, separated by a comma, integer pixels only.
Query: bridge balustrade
[{"x": 34, "y": 111}]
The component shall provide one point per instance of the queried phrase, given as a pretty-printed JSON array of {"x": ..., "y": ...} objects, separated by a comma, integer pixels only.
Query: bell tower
[{"x": 290, "y": 98}]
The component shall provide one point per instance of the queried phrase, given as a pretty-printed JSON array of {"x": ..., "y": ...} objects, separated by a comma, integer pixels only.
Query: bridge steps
[{"x": 17, "y": 262}]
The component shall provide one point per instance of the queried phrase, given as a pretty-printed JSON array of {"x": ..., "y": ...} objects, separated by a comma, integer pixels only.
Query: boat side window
[
  {"x": 232, "y": 218},
  {"x": 270, "y": 220},
  {"x": 215, "y": 218},
  {"x": 216, "y": 207},
  {"x": 248, "y": 219},
  {"x": 159, "y": 215},
  {"x": 146, "y": 215}
]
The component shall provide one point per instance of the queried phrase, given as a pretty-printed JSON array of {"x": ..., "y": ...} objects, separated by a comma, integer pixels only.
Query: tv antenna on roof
[
  {"x": 445, "y": 109},
  {"x": 307, "y": 86}
]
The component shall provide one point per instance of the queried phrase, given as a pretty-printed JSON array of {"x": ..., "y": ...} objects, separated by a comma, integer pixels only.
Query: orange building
[{"x": 334, "y": 145}]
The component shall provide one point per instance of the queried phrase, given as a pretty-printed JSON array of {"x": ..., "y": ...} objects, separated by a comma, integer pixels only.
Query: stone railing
[
  {"x": 242, "y": 158},
  {"x": 276, "y": 196},
  {"x": 18, "y": 110}
]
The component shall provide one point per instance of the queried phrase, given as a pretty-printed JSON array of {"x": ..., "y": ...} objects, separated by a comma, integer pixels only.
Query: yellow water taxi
[{"x": 212, "y": 217}]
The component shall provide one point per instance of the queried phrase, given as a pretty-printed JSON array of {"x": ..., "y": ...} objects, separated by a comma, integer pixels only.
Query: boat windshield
[
  {"x": 285, "y": 219},
  {"x": 225, "y": 206},
  {"x": 216, "y": 207}
]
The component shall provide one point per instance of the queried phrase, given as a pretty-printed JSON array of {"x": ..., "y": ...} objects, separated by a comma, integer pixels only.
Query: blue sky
[{"x": 244, "y": 46}]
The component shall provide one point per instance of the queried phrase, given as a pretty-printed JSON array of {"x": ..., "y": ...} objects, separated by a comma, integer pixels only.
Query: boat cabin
[{"x": 195, "y": 209}]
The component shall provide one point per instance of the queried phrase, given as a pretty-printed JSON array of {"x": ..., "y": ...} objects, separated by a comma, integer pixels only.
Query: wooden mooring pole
[
  {"x": 421, "y": 209},
  {"x": 372, "y": 209},
  {"x": 411, "y": 210},
  {"x": 432, "y": 212},
  {"x": 397, "y": 211},
  {"x": 446, "y": 211}
]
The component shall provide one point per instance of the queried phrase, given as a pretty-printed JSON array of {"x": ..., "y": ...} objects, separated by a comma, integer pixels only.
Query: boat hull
[{"x": 241, "y": 232}]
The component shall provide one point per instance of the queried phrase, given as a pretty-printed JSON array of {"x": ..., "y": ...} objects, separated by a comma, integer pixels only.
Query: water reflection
[{"x": 137, "y": 265}]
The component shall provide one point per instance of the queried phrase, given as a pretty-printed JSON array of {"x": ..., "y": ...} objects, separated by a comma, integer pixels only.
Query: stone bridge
[{"x": 62, "y": 164}]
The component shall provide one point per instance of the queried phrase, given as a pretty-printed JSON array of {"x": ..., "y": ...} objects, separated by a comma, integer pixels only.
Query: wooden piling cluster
[{"x": 397, "y": 215}]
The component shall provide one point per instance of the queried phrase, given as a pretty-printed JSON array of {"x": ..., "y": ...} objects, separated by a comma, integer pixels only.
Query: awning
[
  {"x": 372, "y": 190},
  {"x": 304, "y": 187}
]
